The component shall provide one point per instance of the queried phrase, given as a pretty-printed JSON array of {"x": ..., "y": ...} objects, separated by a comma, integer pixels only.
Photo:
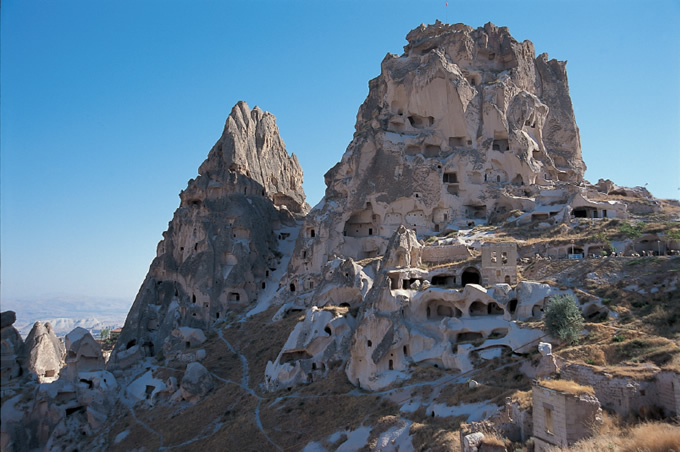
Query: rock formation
[
  {"x": 44, "y": 353},
  {"x": 463, "y": 128},
  {"x": 460, "y": 129},
  {"x": 221, "y": 247},
  {"x": 12, "y": 347}
]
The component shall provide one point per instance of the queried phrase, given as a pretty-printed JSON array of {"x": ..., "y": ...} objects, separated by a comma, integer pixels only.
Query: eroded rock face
[
  {"x": 44, "y": 353},
  {"x": 12, "y": 347},
  {"x": 463, "y": 128},
  {"x": 221, "y": 246}
]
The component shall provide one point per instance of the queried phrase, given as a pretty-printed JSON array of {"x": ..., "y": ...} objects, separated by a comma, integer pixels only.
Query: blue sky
[{"x": 109, "y": 107}]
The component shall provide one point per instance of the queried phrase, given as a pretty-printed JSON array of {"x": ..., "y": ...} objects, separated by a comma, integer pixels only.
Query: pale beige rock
[
  {"x": 44, "y": 353},
  {"x": 12, "y": 348},
  {"x": 220, "y": 249}
]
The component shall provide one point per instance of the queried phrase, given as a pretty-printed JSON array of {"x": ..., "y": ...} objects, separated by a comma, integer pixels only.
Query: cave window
[
  {"x": 369, "y": 343},
  {"x": 312, "y": 233},
  {"x": 266, "y": 273},
  {"x": 313, "y": 366},
  {"x": 513, "y": 305},
  {"x": 498, "y": 178},
  {"x": 234, "y": 296},
  {"x": 405, "y": 350},
  {"x": 470, "y": 276},
  {"x": 504, "y": 257},
  {"x": 450, "y": 178},
  {"x": 507, "y": 279},
  {"x": 187, "y": 344},
  {"x": 292, "y": 287},
  {"x": 428, "y": 312},
  {"x": 370, "y": 231},
  {"x": 304, "y": 254},
  {"x": 217, "y": 315},
  {"x": 51, "y": 372},
  {"x": 131, "y": 344},
  {"x": 327, "y": 330},
  {"x": 391, "y": 365},
  {"x": 195, "y": 246},
  {"x": 264, "y": 284},
  {"x": 193, "y": 298}
]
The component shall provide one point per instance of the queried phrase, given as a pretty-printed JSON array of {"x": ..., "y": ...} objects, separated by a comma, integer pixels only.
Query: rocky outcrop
[
  {"x": 221, "y": 247},
  {"x": 44, "y": 353},
  {"x": 464, "y": 127},
  {"x": 83, "y": 354},
  {"x": 12, "y": 347}
]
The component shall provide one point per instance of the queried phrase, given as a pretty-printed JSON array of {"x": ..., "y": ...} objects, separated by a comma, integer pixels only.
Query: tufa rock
[
  {"x": 12, "y": 347},
  {"x": 44, "y": 353},
  {"x": 221, "y": 247},
  {"x": 196, "y": 382}
]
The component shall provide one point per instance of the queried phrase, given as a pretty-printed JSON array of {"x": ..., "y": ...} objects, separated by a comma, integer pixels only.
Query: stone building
[
  {"x": 562, "y": 418},
  {"x": 630, "y": 389},
  {"x": 499, "y": 263}
]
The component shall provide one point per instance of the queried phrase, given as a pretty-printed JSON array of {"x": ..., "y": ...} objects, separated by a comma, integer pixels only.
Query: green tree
[
  {"x": 105, "y": 334},
  {"x": 563, "y": 317}
]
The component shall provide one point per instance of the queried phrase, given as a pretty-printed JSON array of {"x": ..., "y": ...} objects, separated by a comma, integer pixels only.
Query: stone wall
[
  {"x": 499, "y": 263},
  {"x": 444, "y": 253},
  {"x": 626, "y": 395},
  {"x": 561, "y": 419}
]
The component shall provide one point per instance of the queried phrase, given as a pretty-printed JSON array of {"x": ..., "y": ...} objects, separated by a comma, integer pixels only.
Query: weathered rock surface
[
  {"x": 12, "y": 347},
  {"x": 221, "y": 246},
  {"x": 44, "y": 353},
  {"x": 83, "y": 353},
  {"x": 196, "y": 382}
]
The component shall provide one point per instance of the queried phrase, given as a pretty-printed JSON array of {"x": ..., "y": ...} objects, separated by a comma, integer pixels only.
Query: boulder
[{"x": 196, "y": 382}]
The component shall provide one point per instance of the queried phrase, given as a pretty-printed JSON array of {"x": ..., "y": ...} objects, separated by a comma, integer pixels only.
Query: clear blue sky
[{"x": 109, "y": 107}]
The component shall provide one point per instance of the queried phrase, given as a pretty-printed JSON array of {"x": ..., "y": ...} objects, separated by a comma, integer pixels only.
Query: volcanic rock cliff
[
  {"x": 453, "y": 132},
  {"x": 410, "y": 298},
  {"x": 221, "y": 248}
]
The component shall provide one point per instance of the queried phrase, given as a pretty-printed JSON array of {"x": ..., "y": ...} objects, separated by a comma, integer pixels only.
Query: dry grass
[
  {"x": 494, "y": 439},
  {"x": 437, "y": 435},
  {"x": 524, "y": 399},
  {"x": 647, "y": 437},
  {"x": 336, "y": 310},
  {"x": 568, "y": 386},
  {"x": 652, "y": 437}
]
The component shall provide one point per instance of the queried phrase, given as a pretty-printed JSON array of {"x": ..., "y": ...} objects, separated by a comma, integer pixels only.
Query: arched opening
[
  {"x": 369, "y": 343},
  {"x": 498, "y": 333},
  {"x": 193, "y": 298},
  {"x": 444, "y": 311},
  {"x": 327, "y": 330},
  {"x": 131, "y": 344},
  {"x": 512, "y": 306},
  {"x": 494, "y": 309},
  {"x": 292, "y": 287},
  {"x": 405, "y": 350},
  {"x": 391, "y": 365},
  {"x": 470, "y": 276},
  {"x": 428, "y": 312},
  {"x": 148, "y": 348},
  {"x": 477, "y": 308}
]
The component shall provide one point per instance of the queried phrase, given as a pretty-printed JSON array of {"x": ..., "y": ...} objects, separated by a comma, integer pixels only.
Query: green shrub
[
  {"x": 632, "y": 231},
  {"x": 563, "y": 318}
]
